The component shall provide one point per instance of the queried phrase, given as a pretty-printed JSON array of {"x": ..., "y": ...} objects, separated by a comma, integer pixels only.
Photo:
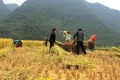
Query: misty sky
[
  {"x": 114, "y": 4},
  {"x": 19, "y": 2}
]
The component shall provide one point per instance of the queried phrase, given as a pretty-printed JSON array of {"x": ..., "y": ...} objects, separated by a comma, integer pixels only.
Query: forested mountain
[
  {"x": 3, "y": 10},
  {"x": 12, "y": 7},
  {"x": 35, "y": 19},
  {"x": 109, "y": 17}
]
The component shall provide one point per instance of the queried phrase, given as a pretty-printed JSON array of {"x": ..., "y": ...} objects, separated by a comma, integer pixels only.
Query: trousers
[{"x": 80, "y": 44}]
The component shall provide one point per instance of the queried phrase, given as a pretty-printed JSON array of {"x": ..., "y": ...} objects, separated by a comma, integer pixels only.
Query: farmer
[
  {"x": 91, "y": 42},
  {"x": 17, "y": 43},
  {"x": 80, "y": 38},
  {"x": 52, "y": 38},
  {"x": 67, "y": 36},
  {"x": 46, "y": 41}
]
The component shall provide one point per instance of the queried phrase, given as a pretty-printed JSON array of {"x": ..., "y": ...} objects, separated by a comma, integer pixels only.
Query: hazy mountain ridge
[
  {"x": 3, "y": 10},
  {"x": 6, "y": 9},
  {"x": 35, "y": 19},
  {"x": 12, "y": 7}
]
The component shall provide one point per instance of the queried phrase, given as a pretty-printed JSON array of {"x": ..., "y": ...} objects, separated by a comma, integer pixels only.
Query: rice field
[{"x": 34, "y": 61}]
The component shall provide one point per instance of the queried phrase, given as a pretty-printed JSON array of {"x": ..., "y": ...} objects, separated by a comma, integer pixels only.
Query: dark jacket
[
  {"x": 79, "y": 35},
  {"x": 52, "y": 37}
]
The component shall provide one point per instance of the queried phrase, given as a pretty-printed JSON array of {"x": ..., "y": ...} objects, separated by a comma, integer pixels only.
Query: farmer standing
[
  {"x": 52, "y": 38},
  {"x": 80, "y": 38}
]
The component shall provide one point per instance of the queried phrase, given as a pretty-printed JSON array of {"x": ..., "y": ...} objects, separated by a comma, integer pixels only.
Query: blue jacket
[{"x": 79, "y": 35}]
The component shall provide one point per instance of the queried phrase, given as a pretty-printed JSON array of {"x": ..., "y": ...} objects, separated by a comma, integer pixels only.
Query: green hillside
[
  {"x": 35, "y": 19},
  {"x": 109, "y": 17}
]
